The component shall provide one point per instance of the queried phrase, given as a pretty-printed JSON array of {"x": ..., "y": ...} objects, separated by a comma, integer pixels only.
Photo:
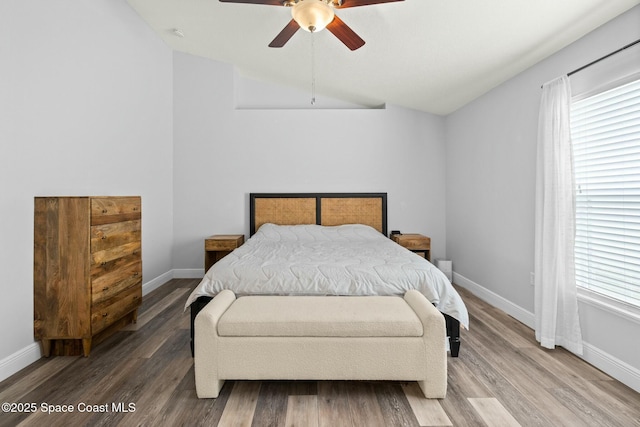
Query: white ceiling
[{"x": 429, "y": 55}]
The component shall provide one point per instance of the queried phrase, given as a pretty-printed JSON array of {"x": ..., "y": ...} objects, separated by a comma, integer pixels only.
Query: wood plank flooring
[{"x": 143, "y": 375}]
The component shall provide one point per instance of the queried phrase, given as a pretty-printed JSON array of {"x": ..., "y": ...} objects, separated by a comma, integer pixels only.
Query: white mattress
[{"x": 318, "y": 260}]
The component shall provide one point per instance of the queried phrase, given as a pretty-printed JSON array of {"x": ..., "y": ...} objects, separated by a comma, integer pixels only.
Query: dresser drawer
[
  {"x": 102, "y": 268},
  {"x": 110, "y": 284},
  {"x": 107, "y": 236},
  {"x": 106, "y": 210},
  {"x": 107, "y": 255},
  {"x": 105, "y": 314}
]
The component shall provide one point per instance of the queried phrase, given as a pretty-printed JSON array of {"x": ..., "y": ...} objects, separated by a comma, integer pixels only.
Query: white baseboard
[
  {"x": 602, "y": 360},
  {"x": 612, "y": 366},
  {"x": 154, "y": 284},
  {"x": 495, "y": 300},
  {"x": 19, "y": 360},
  {"x": 188, "y": 273},
  {"x": 182, "y": 273}
]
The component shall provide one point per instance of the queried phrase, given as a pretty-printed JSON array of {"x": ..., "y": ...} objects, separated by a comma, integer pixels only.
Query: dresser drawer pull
[
  {"x": 135, "y": 274},
  {"x": 103, "y": 263},
  {"x": 104, "y": 211},
  {"x": 105, "y": 314},
  {"x": 103, "y": 237},
  {"x": 105, "y": 289}
]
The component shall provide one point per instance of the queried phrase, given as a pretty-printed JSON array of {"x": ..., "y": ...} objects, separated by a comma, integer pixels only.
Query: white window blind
[{"x": 605, "y": 129}]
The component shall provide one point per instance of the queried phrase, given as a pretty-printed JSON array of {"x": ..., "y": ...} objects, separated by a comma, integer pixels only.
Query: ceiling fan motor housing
[
  {"x": 335, "y": 3},
  {"x": 313, "y": 15}
]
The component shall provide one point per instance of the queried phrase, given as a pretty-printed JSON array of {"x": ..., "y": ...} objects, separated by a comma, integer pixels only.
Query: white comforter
[{"x": 317, "y": 260}]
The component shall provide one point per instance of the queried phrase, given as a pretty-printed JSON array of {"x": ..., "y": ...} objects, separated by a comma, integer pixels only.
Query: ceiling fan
[{"x": 315, "y": 15}]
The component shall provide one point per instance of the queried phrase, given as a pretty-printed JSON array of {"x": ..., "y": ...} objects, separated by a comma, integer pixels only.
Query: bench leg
[
  {"x": 218, "y": 387},
  {"x": 431, "y": 392},
  {"x": 209, "y": 390}
]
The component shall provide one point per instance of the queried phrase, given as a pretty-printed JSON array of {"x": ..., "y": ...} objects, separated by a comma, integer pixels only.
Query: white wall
[
  {"x": 222, "y": 154},
  {"x": 85, "y": 109},
  {"x": 490, "y": 175}
]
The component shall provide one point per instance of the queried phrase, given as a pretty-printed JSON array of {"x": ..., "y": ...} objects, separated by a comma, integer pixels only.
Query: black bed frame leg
[
  {"x": 453, "y": 331},
  {"x": 454, "y": 345}
]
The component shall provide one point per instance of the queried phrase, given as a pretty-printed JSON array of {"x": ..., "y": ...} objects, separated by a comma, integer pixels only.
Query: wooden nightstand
[
  {"x": 415, "y": 243},
  {"x": 219, "y": 245}
]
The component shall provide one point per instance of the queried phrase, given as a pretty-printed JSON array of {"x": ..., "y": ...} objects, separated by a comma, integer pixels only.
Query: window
[{"x": 605, "y": 129}]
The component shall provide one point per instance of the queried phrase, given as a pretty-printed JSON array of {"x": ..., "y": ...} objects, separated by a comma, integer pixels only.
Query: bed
[{"x": 327, "y": 244}]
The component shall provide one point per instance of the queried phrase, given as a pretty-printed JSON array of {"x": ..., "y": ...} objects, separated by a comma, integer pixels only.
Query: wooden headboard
[{"x": 319, "y": 208}]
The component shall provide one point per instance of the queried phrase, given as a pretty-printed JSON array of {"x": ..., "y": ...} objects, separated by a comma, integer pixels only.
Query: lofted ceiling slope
[{"x": 429, "y": 55}]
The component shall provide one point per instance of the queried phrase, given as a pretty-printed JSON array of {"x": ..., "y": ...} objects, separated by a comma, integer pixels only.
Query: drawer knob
[
  {"x": 106, "y": 288},
  {"x": 103, "y": 237},
  {"x": 104, "y": 211},
  {"x": 105, "y": 314},
  {"x": 103, "y": 263}
]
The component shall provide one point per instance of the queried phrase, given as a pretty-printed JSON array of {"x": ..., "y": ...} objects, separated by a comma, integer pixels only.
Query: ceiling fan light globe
[{"x": 312, "y": 15}]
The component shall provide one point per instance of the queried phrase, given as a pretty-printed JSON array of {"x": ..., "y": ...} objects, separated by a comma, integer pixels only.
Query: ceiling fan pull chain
[{"x": 313, "y": 70}]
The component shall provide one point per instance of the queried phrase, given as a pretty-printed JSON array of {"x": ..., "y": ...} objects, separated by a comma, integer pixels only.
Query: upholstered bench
[{"x": 320, "y": 338}]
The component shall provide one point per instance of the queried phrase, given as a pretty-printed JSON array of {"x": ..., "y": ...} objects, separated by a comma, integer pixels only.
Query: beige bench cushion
[{"x": 320, "y": 316}]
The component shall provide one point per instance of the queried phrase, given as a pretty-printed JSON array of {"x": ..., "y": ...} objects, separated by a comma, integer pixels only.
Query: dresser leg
[
  {"x": 86, "y": 346},
  {"x": 46, "y": 348}
]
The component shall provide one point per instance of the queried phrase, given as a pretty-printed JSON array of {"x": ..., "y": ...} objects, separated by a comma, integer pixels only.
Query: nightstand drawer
[
  {"x": 414, "y": 242},
  {"x": 223, "y": 242}
]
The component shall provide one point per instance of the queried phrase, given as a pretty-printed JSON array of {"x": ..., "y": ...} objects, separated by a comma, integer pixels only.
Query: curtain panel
[{"x": 556, "y": 304}]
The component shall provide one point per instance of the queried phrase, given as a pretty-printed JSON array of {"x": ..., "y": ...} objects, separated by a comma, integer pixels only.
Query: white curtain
[{"x": 556, "y": 304}]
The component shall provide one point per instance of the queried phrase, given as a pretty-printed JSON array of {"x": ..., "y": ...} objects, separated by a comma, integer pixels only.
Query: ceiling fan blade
[
  {"x": 345, "y": 34},
  {"x": 286, "y": 33},
  {"x": 265, "y": 2},
  {"x": 354, "y": 3}
]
